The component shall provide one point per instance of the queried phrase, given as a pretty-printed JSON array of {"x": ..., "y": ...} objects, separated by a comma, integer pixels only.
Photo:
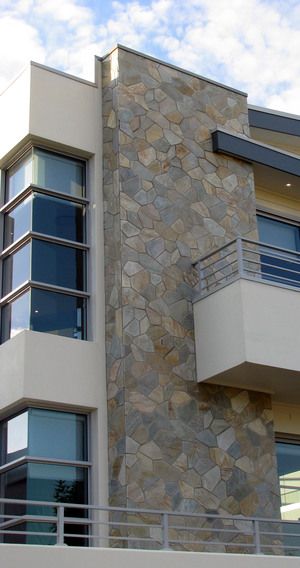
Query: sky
[{"x": 251, "y": 45}]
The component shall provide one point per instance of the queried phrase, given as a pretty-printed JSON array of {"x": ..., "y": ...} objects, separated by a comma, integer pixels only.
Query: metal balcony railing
[
  {"x": 45, "y": 523},
  {"x": 246, "y": 258}
]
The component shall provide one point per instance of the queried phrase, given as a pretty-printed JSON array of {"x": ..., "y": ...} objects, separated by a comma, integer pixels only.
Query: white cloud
[{"x": 252, "y": 45}]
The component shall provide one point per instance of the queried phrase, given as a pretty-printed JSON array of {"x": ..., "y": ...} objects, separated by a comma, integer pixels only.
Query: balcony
[
  {"x": 44, "y": 524},
  {"x": 247, "y": 312}
]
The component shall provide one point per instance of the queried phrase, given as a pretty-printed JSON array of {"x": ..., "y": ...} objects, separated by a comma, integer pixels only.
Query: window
[
  {"x": 44, "y": 283},
  {"x": 288, "y": 464},
  {"x": 44, "y": 458},
  {"x": 281, "y": 266}
]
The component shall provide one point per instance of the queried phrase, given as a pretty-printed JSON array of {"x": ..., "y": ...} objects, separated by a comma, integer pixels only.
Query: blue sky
[{"x": 253, "y": 45}]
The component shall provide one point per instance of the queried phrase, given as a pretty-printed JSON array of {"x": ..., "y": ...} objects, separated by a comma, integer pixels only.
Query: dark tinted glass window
[
  {"x": 57, "y": 264},
  {"x": 57, "y": 217},
  {"x": 61, "y": 314}
]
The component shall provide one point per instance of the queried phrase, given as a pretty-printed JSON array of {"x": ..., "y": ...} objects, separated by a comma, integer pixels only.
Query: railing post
[
  {"x": 60, "y": 528},
  {"x": 239, "y": 253},
  {"x": 256, "y": 536},
  {"x": 165, "y": 531}
]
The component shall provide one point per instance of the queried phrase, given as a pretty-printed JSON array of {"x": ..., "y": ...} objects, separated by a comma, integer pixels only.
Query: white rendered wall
[
  {"x": 63, "y": 109},
  {"x": 64, "y": 113}
]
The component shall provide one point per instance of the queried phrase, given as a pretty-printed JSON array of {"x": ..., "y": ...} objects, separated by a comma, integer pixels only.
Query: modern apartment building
[{"x": 150, "y": 352}]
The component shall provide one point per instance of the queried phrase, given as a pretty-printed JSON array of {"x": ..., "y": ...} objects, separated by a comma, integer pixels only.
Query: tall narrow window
[
  {"x": 44, "y": 458},
  {"x": 44, "y": 284}
]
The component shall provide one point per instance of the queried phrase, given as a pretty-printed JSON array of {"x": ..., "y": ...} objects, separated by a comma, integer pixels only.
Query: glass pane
[
  {"x": 61, "y": 314},
  {"x": 57, "y": 264},
  {"x": 277, "y": 233},
  {"x": 54, "y": 434},
  {"x": 16, "y": 269},
  {"x": 58, "y": 217},
  {"x": 19, "y": 176},
  {"x": 14, "y": 438},
  {"x": 42, "y": 482},
  {"x": 53, "y": 171},
  {"x": 288, "y": 461},
  {"x": 280, "y": 266},
  {"x": 17, "y": 222},
  {"x": 17, "y": 436},
  {"x": 15, "y": 317},
  {"x": 57, "y": 483}
]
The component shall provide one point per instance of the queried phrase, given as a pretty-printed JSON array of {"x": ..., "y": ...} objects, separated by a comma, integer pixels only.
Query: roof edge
[{"x": 175, "y": 67}]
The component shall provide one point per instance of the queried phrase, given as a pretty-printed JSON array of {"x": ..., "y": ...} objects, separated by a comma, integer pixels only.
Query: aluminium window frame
[
  {"x": 24, "y": 460},
  {"x": 19, "y": 198}
]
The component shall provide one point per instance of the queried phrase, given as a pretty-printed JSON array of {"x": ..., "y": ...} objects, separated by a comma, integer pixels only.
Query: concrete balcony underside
[{"x": 248, "y": 336}]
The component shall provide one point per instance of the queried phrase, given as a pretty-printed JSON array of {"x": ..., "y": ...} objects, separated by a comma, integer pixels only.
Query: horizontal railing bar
[
  {"x": 250, "y": 241},
  {"x": 284, "y": 269},
  {"x": 222, "y": 277},
  {"x": 204, "y": 266},
  {"x": 219, "y": 269},
  {"x": 214, "y": 251},
  {"x": 209, "y": 542},
  {"x": 281, "y": 545},
  {"x": 209, "y": 529},
  {"x": 28, "y": 533},
  {"x": 269, "y": 276},
  {"x": 150, "y": 512}
]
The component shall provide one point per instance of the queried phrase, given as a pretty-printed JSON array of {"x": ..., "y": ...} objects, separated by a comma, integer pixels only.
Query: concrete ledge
[{"x": 64, "y": 557}]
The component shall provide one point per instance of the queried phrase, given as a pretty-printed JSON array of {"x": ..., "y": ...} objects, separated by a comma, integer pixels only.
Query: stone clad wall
[{"x": 169, "y": 200}]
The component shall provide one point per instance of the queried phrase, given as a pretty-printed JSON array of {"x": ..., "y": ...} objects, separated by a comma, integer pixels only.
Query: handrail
[
  {"x": 250, "y": 259},
  {"x": 147, "y": 528}
]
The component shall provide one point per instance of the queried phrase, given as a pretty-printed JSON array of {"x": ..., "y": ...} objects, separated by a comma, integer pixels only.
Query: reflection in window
[
  {"x": 16, "y": 269},
  {"x": 60, "y": 435},
  {"x": 288, "y": 461},
  {"x": 47, "y": 215},
  {"x": 53, "y": 171},
  {"x": 48, "y": 170},
  {"x": 15, "y": 317},
  {"x": 17, "y": 222},
  {"x": 52, "y": 435},
  {"x": 41, "y": 262},
  {"x": 17, "y": 436},
  {"x": 44, "y": 433},
  {"x": 19, "y": 176}
]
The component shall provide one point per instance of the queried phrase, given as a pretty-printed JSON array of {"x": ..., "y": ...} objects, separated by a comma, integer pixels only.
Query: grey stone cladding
[{"x": 174, "y": 444}]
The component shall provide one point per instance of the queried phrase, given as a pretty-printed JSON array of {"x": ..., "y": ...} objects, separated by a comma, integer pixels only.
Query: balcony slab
[
  {"x": 248, "y": 336},
  {"x": 48, "y": 369}
]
